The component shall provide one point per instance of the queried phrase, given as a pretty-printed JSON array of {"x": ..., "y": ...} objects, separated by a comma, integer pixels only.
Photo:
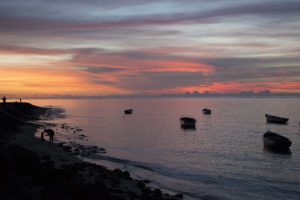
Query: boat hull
[
  {"x": 275, "y": 119},
  {"x": 275, "y": 141},
  {"x": 188, "y": 123},
  {"x": 128, "y": 111},
  {"x": 206, "y": 111}
]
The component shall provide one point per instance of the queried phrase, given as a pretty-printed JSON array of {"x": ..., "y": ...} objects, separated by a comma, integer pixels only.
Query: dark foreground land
[{"x": 29, "y": 169}]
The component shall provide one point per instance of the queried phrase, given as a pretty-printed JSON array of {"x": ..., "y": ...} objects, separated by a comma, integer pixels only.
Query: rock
[
  {"x": 157, "y": 192},
  {"x": 180, "y": 195},
  {"x": 115, "y": 181},
  {"x": 118, "y": 172},
  {"x": 141, "y": 185},
  {"x": 146, "y": 181},
  {"x": 67, "y": 147},
  {"x": 146, "y": 190},
  {"x": 60, "y": 143},
  {"x": 126, "y": 173},
  {"x": 84, "y": 153},
  {"x": 133, "y": 195},
  {"x": 75, "y": 153}
]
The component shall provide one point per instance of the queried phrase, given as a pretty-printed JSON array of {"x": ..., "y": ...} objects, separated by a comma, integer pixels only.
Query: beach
[{"x": 35, "y": 169}]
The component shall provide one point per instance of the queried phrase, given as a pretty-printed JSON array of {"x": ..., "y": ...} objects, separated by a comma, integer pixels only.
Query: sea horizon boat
[
  {"x": 188, "y": 122},
  {"x": 275, "y": 119},
  {"x": 128, "y": 111},
  {"x": 206, "y": 111},
  {"x": 276, "y": 141}
]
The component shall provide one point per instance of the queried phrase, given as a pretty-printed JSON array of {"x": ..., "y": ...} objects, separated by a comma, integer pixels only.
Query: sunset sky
[{"x": 128, "y": 47}]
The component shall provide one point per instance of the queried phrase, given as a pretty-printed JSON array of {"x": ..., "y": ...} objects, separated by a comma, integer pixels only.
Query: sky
[{"x": 146, "y": 47}]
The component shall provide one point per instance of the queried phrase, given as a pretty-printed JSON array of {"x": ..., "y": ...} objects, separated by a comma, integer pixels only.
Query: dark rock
[
  {"x": 180, "y": 195},
  {"x": 75, "y": 153},
  {"x": 84, "y": 153},
  {"x": 146, "y": 195},
  {"x": 126, "y": 173},
  {"x": 141, "y": 185},
  {"x": 60, "y": 144},
  {"x": 133, "y": 195},
  {"x": 67, "y": 147},
  {"x": 115, "y": 181},
  {"x": 146, "y": 181},
  {"x": 157, "y": 192},
  {"x": 118, "y": 172}
]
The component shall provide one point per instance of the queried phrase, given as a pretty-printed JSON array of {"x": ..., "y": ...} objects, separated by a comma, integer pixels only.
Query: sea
[{"x": 222, "y": 159}]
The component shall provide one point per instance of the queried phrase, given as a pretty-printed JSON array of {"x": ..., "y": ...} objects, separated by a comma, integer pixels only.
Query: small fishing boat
[
  {"x": 206, "y": 111},
  {"x": 275, "y": 119},
  {"x": 276, "y": 141},
  {"x": 188, "y": 122},
  {"x": 128, "y": 111}
]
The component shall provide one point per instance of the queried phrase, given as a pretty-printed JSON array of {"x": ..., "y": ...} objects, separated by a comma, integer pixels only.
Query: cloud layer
[{"x": 104, "y": 47}]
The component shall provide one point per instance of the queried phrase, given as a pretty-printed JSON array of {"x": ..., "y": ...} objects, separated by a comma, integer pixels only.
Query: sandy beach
[{"x": 33, "y": 169}]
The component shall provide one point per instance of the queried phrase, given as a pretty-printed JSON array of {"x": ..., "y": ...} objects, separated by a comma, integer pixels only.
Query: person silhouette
[
  {"x": 4, "y": 100},
  {"x": 42, "y": 136},
  {"x": 50, "y": 133}
]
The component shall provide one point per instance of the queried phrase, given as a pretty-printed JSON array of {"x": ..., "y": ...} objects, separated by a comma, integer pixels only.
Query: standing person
[
  {"x": 4, "y": 100},
  {"x": 20, "y": 100},
  {"x": 42, "y": 136}
]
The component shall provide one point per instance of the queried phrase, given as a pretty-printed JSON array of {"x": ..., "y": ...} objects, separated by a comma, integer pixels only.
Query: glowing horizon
[{"x": 103, "y": 48}]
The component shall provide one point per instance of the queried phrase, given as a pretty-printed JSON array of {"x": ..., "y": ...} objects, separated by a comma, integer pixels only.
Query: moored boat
[
  {"x": 276, "y": 141},
  {"x": 275, "y": 119},
  {"x": 206, "y": 111},
  {"x": 128, "y": 111},
  {"x": 188, "y": 122}
]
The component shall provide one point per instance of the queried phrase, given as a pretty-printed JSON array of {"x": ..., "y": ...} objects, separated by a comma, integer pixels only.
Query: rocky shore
[{"x": 35, "y": 170}]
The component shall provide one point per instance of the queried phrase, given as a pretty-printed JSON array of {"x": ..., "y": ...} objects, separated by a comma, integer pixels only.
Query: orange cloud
[
  {"x": 142, "y": 61},
  {"x": 50, "y": 82},
  {"x": 89, "y": 72}
]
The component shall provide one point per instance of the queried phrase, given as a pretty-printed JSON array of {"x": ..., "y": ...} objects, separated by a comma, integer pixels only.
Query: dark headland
[{"x": 33, "y": 170}]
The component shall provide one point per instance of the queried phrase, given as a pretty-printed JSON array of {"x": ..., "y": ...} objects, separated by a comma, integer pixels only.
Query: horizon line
[{"x": 186, "y": 95}]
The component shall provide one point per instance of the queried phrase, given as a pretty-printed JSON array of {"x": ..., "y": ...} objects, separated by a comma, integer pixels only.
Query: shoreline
[{"x": 47, "y": 171}]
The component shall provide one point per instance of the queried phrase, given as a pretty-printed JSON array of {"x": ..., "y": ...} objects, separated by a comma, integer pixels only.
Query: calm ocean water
[{"x": 223, "y": 158}]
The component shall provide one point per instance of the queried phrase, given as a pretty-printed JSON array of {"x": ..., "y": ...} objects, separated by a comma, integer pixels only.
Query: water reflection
[
  {"x": 269, "y": 150},
  {"x": 188, "y": 129}
]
